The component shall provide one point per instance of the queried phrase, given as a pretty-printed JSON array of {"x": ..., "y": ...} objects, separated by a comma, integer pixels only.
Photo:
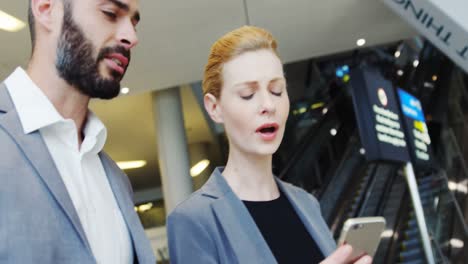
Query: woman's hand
[{"x": 342, "y": 254}]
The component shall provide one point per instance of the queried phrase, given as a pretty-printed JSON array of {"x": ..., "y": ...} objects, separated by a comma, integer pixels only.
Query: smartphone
[{"x": 363, "y": 234}]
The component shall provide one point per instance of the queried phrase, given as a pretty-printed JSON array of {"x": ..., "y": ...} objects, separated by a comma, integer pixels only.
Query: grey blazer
[
  {"x": 38, "y": 222},
  {"x": 214, "y": 226}
]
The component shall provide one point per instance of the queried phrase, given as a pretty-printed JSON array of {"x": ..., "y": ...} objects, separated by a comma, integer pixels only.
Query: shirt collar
[
  {"x": 94, "y": 130},
  {"x": 34, "y": 109}
]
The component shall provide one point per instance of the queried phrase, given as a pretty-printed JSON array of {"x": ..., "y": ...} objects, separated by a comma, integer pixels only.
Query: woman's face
[{"x": 254, "y": 103}]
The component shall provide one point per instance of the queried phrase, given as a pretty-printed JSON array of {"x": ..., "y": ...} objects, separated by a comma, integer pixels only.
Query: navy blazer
[
  {"x": 214, "y": 226},
  {"x": 38, "y": 222}
]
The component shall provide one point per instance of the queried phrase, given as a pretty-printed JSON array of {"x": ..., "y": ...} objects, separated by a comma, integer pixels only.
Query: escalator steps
[
  {"x": 412, "y": 223},
  {"x": 410, "y": 244},
  {"x": 425, "y": 180},
  {"x": 417, "y": 261},
  {"x": 413, "y": 254},
  {"x": 411, "y": 233}
]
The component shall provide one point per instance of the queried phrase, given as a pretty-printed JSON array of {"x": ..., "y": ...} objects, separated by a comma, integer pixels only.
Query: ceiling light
[
  {"x": 198, "y": 168},
  {"x": 362, "y": 151},
  {"x": 333, "y": 131},
  {"x": 302, "y": 110},
  {"x": 346, "y": 78},
  {"x": 10, "y": 23},
  {"x": 397, "y": 54},
  {"x": 125, "y": 90},
  {"x": 134, "y": 164},
  {"x": 145, "y": 207},
  {"x": 324, "y": 110},
  {"x": 434, "y": 78},
  {"x": 460, "y": 187},
  {"x": 400, "y": 72},
  {"x": 317, "y": 105},
  {"x": 428, "y": 85},
  {"x": 456, "y": 243},
  {"x": 361, "y": 42},
  {"x": 452, "y": 185},
  {"x": 415, "y": 63}
]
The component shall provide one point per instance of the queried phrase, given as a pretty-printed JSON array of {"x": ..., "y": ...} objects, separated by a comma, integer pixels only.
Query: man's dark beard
[{"x": 76, "y": 65}]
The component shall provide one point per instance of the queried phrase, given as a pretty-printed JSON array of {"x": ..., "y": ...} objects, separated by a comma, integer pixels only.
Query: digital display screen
[
  {"x": 419, "y": 142},
  {"x": 378, "y": 115}
]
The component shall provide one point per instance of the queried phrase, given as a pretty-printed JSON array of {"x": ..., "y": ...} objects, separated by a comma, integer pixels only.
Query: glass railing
[{"x": 444, "y": 197}]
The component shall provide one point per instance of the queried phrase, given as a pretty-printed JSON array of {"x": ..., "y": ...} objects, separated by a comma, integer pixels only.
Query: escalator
[
  {"x": 347, "y": 186},
  {"x": 328, "y": 161}
]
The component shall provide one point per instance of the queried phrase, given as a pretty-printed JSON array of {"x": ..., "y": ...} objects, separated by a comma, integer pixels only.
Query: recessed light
[
  {"x": 361, "y": 42},
  {"x": 333, "y": 131},
  {"x": 434, "y": 78},
  {"x": 415, "y": 63},
  {"x": 134, "y": 164},
  {"x": 302, "y": 110},
  {"x": 397, "y": 54},
  {"x": 10, "y": 23},
  {"x": 456, "y": 243},
  {"x": 460, "y": 187},
  {"x": 317, "y": 105},
  {"x": 125, "y": 90},
  {"x": 144, "y": 207},
  {"x": 198, "y": 168},
  {"x": 400, "y": 72}
]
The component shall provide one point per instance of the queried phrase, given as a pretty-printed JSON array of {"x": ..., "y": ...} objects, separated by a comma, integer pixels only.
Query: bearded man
[{"x": 62, "y": 199}]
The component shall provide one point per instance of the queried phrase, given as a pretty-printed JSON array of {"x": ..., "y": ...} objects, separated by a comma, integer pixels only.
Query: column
[{"x": 173, "y": 153}]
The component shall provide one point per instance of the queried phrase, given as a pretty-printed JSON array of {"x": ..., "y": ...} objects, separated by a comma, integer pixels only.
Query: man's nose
[{"x": 127, "y": 35}]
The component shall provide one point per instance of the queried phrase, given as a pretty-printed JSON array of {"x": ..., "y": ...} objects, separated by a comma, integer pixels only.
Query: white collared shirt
[{"x": 80, "y": 168}]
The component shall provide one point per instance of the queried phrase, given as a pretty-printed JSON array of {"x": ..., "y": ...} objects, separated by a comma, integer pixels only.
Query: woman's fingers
[
  {"x": 340, "y": 255},
  {"x": 364, "y": 260}
]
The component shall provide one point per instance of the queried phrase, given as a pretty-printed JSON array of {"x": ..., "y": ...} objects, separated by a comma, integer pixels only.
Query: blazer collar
[
  {"x": 235, "y": 220},
  {"x": 37, "y": 153},
  {"x": 241, "y": 229},
  {"x": 6, "y": 104},
  {"x": 216, "y": 186},
  {"x": 35, "y": 150}
]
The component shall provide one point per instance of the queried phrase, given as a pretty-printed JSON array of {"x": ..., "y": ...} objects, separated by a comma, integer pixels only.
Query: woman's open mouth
[{"x": 268, "y": 131}]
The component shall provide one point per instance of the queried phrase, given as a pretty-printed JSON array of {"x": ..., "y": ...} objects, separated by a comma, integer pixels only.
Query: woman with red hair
[{"x": 244, "y": 214}]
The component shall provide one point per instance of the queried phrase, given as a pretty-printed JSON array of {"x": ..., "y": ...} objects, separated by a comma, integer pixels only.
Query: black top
[{"x": 284, "y": 231}]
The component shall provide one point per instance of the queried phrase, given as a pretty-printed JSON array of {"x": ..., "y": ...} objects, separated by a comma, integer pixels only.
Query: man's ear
[
  {"x": 42, "y": 13},
  {"x": 213, "y": 108}
]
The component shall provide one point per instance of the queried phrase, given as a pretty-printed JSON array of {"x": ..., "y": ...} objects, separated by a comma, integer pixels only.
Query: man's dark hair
[{"x": 32, "y": 30}]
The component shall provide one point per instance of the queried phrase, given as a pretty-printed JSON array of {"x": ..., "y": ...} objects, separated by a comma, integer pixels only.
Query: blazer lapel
[
  {"x": 126, "y": 205},
  {"x": 35, "y": 150},
  {"x": 243, "y": 234},
  {"x": 309, "y": 219}
]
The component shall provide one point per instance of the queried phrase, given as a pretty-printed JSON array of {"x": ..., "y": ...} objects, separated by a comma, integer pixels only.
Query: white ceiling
[{"x": 175, "y": 38}]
